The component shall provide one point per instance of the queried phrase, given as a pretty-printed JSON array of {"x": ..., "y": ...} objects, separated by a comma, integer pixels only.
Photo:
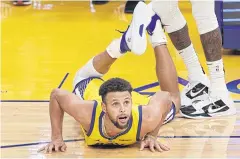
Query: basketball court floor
[{"x": 42, "y": 46}]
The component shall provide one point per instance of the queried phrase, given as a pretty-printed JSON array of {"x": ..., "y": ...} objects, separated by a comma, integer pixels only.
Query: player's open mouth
[{"x": 123, "y": 119}]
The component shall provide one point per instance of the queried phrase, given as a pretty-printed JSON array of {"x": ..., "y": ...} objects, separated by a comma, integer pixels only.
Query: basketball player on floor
[
  {"x": 200, "y": 98},
  {"x": 109, "y": 112}
]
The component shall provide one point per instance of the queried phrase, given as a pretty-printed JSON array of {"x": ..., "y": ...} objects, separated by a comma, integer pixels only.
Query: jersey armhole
[
  {"x": 139, "y": 122},
  {"x": 171, "y": 114},
  {"x": 92, "y": 119}
]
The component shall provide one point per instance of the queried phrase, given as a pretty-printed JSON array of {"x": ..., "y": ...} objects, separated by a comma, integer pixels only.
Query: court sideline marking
[
  {"x": 140, "y": 89},
  {"x": 76, "y": 140}
]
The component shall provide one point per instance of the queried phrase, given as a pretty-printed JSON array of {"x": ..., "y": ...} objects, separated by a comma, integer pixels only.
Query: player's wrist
[
  {"x": 56, "y": 137},
  {"x": 150, "y": 136}
]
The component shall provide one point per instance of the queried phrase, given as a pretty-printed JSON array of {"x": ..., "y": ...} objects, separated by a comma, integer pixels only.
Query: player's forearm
[
  {"x": 156, "y": 130},
  {"x": 56, "y": 116},
  {"x": 161, "y": 105}
]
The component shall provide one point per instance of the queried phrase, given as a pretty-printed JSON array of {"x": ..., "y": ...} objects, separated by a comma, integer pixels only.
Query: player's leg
[
  {"x": 221, "y": 103},
  {"x": 165, "y": 68},
  {"x": 166, "y": 73},
  {"x": 212, "y": 42},
  {"x": 95, "y": 68},
  {"x": 176, "y": 26},
  {"x": 167, "y": 77},
  {"x": 133, "y": 39},
  {"x": 177, "y": 29}
]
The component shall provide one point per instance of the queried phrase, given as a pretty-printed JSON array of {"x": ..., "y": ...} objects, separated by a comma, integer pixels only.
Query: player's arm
[
  {"x": 159, "y": 106},
  {"x": 153, "y": 117},
  {"x": 63, "y": 101},
  {"x": 154, "y": 113}
]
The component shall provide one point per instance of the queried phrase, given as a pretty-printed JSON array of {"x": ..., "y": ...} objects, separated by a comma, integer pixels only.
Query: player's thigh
[{"x": 165, "y": 9}]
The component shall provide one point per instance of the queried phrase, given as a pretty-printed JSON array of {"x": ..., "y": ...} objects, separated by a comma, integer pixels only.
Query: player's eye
[
  {"x": 115, "y": 104},
  {"x": 126, "y": 102}
]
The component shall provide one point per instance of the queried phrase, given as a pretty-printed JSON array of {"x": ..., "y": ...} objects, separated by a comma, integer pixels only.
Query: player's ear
[{"x": 104, "y": 107}]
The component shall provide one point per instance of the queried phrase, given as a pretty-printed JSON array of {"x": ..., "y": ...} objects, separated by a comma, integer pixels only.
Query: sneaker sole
[
  {"x": 140, "y": 21},
  {"x": 228, "y": 113}
]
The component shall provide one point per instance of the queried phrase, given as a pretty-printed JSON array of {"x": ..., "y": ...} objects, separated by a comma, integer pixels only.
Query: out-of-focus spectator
[
  {"x": 100, "y": 1},
  {"x": 22, "y": 2},
  {"x": 130, "y": 5}
]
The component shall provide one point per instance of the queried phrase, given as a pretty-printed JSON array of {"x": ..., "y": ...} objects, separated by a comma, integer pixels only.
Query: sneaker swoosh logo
[
  {"x": 210, "y": 110},
  {"x": 194, "y": 94},
  {"x": 141, "y": 30}
]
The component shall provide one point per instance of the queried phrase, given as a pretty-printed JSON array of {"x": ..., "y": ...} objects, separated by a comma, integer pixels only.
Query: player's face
[{"x": 119, "y": 108}]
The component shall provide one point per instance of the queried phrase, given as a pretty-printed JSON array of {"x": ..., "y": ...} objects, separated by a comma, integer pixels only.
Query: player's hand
[
  {"x": 152, "y": 143},
  {"x": 55, "y": 145}
]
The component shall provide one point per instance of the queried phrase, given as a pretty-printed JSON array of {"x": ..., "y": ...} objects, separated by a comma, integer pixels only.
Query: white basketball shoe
[
  {"x": 195, "y": 91},
  {"x": 134, "y": 38},
  {"x": 210, "y": 107},
  {"x": 204, "y": 103}
]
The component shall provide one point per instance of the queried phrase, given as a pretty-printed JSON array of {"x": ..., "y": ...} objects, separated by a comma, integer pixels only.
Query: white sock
[
  {"x": 216, "y": 72},
  {"x": 86, "y": 71},
  {"x": 192, "y": 63},
  {"x": 113, "y": 48}
]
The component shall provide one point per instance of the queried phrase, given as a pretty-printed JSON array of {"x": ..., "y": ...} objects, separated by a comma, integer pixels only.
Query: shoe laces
[
  {"x": 122, "y": 32},
  {"x": 212, "y": 101},
  {"x": 198, "y": 105}
]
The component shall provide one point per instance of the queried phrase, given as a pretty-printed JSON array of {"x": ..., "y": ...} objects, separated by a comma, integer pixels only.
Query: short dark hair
[{"x": 114, "y": 85}]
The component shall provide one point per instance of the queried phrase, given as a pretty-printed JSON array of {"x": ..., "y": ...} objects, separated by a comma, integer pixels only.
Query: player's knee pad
[
  {"x": 204, "y": 15},
  {"x": 170, "y": 14}
]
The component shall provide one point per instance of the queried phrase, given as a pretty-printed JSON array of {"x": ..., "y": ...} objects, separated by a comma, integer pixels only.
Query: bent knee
[
  {"x": 171, "y": 98},
  {"x": 165, "y": 98},
  {"x": 170, "y": 15},
  {"x": 176, "y": 99},
  {"x": 55, "y": 92},
  {"x": 164, "y": 95},
  {"x": 206, "y": 19}
]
